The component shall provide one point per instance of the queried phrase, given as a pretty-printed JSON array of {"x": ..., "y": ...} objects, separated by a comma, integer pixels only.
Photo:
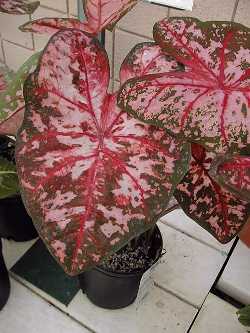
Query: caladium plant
[
  {"x": 18, "y": 7},
  {"x": 214, "y": 207},
  {"x": 94, "y": 177},
  {"x": 100, "y": 14},
  {"x": 208, "y": 103}
]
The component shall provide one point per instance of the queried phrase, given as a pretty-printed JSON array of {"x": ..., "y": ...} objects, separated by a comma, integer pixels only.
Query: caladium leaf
[
  {"x": 208, "y": 105},
  {"x": 94, "y": 177},
  {"x": 100, "y": 14},
  {"x": 147, "y": 58},
  {"x": 9, "y": 184},
  {"x": 52, "y": 25},
  {"x": 213, "y": 207},
  {"x": 11, "y": 98},
  {"x": 233, "y": 173},
  {"x": 103, "y": 14},
  {"x": 18, "y": 7}
]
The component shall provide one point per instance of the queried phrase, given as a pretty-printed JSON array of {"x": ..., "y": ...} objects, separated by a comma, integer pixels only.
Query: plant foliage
[
  {"x": 94, "y": 177},
  {"x": 100, "y": 14},
  {"x": 8, "y": 179},
  {"x": 18, "y": 7},
  {"x": 208, "y": 103},
  {"x": 11, "y": 97},
  {"x": 213, "y": 207},
  {"x": 244, "y": 316}
]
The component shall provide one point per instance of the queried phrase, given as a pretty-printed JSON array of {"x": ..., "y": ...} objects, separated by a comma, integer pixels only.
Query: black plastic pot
[
  {"x": 4, "y": 281},
  {"x": 111, "y": 290},
  {"x": 15, "y": 223}
]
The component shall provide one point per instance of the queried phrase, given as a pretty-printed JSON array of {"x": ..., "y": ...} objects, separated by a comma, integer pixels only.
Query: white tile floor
[
  {"x": 182, "y": 282},
  {"x": 217, "y": 316},
  {"x": 235, "y": 280}
]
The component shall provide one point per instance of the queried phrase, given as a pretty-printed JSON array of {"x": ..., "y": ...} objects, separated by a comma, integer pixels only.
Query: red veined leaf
[
  {"x": 11, "y": 98},
  {"x": 18, "y": 6},
  {"x": 147, "y": 58},
  {"x": 100, "y": 14},
  {"x": 233, "y": 173},
  {"x": 208, "y": 105},
  {"x": 213, "y": 207},
  {"x": 52, "y": 25},
  {"x": 103, "y": 14},
  {"x": 92, "y": 177}
]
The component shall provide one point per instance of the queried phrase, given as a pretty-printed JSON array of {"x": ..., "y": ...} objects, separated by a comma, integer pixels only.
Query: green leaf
[
  {"x": 9, "y": 184},
  {"x": 244, "y": 316},
  {"x": 11, "y": 99}
]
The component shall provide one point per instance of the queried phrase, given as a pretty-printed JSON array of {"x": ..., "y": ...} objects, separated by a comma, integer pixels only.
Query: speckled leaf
[
  {"x": 94, "y": 177},
  {"x": 11, "y": 98},
  {"x": 146, "y": 58},
  {"x": 52, "y": 25},
  {"x": 206, "y": 202},
  {"x": 100, "y": 14},
  {"x": 208, "y": 105},
  {"x": 234, "y": 174},
  {"x": 18, "y": 7},
  {"x": 103, "y": 14}
]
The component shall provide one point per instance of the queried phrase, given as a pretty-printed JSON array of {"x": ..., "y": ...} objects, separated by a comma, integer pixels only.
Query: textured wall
[{"x": 134, "y": 28}]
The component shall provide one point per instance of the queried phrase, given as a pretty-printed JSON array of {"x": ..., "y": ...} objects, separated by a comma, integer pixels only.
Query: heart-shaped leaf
[
  {"x": 11, "y": 98},
  {"x": 233, "y": 173},
  {"x": 103, "y": 14},
  {"x": 18, "y": 7},
  {"x": 100, "y": 14},
  {"x": 209, "y": 104},
  {"x": 147, "y": 58},
  {"x": 94, "y": 177},
  {"x": 213, "y": 207}
]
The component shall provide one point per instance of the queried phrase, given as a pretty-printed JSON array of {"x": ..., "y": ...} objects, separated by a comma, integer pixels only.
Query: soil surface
[{"x": 128, "y": 260}]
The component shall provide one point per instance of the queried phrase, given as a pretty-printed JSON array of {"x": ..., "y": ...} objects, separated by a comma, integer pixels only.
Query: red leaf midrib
[
  {"x": 120, "y": 164},
  {"x": 91, "y": 185},
  {"x": 90, "y": 106}
]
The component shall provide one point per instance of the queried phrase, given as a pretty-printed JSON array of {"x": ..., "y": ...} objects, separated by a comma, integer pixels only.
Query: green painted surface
[{"x": 39, "y": 268}]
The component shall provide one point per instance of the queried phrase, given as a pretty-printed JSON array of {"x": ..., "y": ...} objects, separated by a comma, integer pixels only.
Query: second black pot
[
  {"x": 4, "y": 281},
  {"x": 15, "y": 223},
  {"x": 111, "y": 290}
]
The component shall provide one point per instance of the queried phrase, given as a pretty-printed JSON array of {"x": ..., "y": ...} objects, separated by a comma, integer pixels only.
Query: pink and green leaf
[
  {"x": 52, "y": 25},
  {"x": 95, "y": 177},
  {"x": 233, "y": 173},
  {"x": 210, "y": 103},
  {"x": 147, "y": 58},
  {"x": 11, "y": 98},
  {"x": 102, "y": 14},
  {"x": 213, "y": 207},
  {"x": 18, "y": 7}
]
